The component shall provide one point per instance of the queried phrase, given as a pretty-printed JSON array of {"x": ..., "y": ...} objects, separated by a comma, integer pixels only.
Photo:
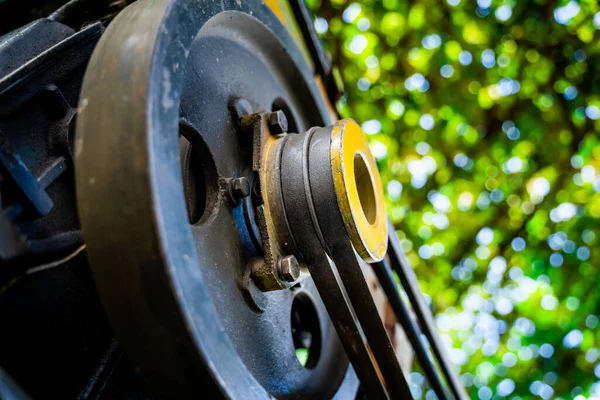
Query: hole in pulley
[
  {"x": 364, "y": 185},
  {"x": 306, "y": 331},
  {"x": 199, "y": 174}
]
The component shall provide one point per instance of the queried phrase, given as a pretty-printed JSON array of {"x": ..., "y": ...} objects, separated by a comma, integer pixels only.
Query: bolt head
[
  {"x": 240, "y": 187},
  {"x": 278, "y": 123},
  {"x": 289, "y": 269}
]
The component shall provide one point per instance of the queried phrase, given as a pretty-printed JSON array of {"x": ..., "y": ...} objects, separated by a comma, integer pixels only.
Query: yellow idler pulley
[
  {"x": 330, "y": 190},
  {"x": 359, "y": 190}
]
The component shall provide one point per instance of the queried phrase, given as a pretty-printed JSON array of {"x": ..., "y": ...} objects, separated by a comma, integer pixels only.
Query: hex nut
[
  {"x": 278, "y": 123},
  {"x": 240, "y": 188},
  {"x": 289, "y": 269}
]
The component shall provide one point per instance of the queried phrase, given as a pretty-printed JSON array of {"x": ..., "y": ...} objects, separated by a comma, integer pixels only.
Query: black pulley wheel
[{"x": 158, "y": 146}]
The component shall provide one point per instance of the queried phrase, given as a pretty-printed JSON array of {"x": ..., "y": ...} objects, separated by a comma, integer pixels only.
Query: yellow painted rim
[{"x": 359, "y": 190}]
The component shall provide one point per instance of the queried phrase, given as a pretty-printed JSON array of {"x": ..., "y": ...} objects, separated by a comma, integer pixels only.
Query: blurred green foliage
[{"x": 485, "y": 118}]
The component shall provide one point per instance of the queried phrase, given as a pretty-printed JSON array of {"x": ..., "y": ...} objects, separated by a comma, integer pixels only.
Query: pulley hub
[
  {"x": 358, "y": 190},
  {"x": 333, "y": 170}
]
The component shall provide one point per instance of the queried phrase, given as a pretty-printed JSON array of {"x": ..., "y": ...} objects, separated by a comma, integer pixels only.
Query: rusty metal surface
[{"x": 272, "y": 222}]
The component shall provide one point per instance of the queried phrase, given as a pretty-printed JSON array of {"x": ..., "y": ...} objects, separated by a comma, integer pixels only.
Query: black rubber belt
[
  {"x": 323, "y": 272},
  {"x": 410, "y": 284},
  {"x": 350, "y": 265},
  {"x": 389, "y": 285}
]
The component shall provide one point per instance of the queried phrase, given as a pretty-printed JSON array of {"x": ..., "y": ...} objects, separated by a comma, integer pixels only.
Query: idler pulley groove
[{"x": 336, "y": 162}]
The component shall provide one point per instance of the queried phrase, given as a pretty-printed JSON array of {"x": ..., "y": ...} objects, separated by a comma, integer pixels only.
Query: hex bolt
[
  {"x": 240, "y": 188},
  {"x": 289, "y": 269},
  {"x": 278, "y": 123}
]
